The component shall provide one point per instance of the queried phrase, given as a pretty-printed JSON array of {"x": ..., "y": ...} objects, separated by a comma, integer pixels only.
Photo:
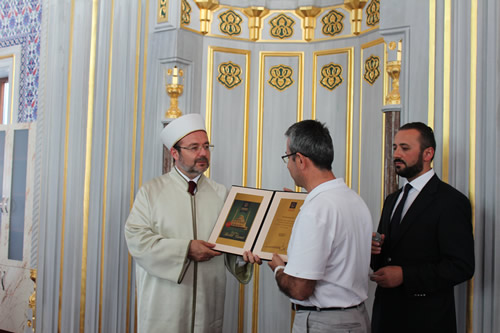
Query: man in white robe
[{"x": 180, "y": 279}]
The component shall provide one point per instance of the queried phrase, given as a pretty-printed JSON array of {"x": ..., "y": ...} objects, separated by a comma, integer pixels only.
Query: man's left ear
[{"x": 428, "y": 154}]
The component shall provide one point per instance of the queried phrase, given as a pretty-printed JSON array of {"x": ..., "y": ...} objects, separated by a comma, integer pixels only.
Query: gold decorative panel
[
  {"x": 373, "y": 13},
  {"x": 185, "y": 12},
  {"x": 331, "y": 76},
  {"x": 281, "y": 77},
  {"x": 162, "y": 11},
  {"x": 230, "y": 23},
  {"x": 229, "y": 74},
  {"x": 282, "y": 26},
  {"x": 372, "y": 69},
  {"x": 333, "y": 23}
]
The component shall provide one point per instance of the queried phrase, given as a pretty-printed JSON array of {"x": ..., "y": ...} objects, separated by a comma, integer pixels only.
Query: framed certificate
[
  {"x": 278, "y": 223},
  {"x": 257, "y": 220},
  {"x": 240, "y": 219}
]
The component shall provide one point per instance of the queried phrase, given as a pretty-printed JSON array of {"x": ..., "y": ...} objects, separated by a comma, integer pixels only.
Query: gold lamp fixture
[{"x": 174, "y": 89}]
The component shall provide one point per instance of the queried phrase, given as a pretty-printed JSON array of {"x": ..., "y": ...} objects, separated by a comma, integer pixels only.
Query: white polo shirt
[{"x": 330, "y": 243}]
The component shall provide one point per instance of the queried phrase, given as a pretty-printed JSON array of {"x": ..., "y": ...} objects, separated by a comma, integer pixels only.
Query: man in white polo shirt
[{"x": 326, "y": 276}]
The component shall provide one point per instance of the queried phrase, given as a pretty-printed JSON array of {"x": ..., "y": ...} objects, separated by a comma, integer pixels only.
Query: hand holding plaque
[{"x": 256, "y": 220}]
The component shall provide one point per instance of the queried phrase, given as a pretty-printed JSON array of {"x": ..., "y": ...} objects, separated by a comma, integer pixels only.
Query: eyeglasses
[
  {"x": 286, "y": 157},
  {"x": 197, "y": 149}
]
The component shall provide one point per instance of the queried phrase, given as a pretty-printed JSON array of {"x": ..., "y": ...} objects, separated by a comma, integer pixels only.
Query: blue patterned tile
[{"x": 20, "y": 23}]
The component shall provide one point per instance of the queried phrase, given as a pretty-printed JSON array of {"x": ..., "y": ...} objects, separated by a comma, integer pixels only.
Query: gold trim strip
[
  {"x": 350, "y": 93},
  {"x": 432, "y": 62},
  {"x": 66, "y": 148},
  {"x": 365, "y": 46},
  {"x": 260, "y": 120},
  {"x": 143, "y": 102},
  {"x": 106, "y": 162},
  {"x": 241, "y": 308},
  {"x": 472, "y": 151},
  {"x": 386, "y": 92},
  {"x": 446, "y": 89},
  {"x": 209, "y": 97},
  {"x": 255, "y": 304},
  {"x": 133, "y": 157},
  {"x": 88, "y": 161}
]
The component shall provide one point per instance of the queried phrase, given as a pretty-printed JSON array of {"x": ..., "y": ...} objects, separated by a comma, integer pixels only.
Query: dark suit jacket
[{"x": 435, "y": 248}]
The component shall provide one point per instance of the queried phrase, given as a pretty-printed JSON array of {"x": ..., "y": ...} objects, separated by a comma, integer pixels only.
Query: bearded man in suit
[{"x": 426, "y": 245}]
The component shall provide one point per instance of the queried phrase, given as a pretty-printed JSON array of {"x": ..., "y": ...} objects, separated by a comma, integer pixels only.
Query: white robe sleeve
[{"x": 162, "y": 257}]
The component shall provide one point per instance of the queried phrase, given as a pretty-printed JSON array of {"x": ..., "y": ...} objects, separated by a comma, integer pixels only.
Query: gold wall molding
[
  {"x": 432, "y": 63},
  {"x": 356, "y": 8},
  {"x": 446, "y": 89},
  {"x": 206, "y": 8},
  {"x": 472, "y": 149},
  {"x": 66, "y": 156},
  {"x": 308, "y": 15}
]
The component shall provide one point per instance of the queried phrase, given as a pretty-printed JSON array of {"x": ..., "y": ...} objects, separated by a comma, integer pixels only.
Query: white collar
[{"x": 419, "y": 182}]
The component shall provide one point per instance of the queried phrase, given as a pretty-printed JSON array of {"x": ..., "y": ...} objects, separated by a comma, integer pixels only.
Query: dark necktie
[
  {"x": 191, "y": 187},
  {"x": 396, "y": 218}
]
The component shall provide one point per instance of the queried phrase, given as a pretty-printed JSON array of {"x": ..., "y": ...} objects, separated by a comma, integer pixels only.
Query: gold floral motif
[
  {"x": 282, "y": 26},
  {"x": 333, "y": 23},
  {"x": 185, "y": 12},
  {"x": 373, "y": 13},
  {"x": 163, "y": 11},
  {"x": 331, "y": 76},
  {"x": 229, "y": 74},
  {"x": 281, "y": 77},
  {"x": 230, "y": 23},
  {"x": 372, "y": 71}
]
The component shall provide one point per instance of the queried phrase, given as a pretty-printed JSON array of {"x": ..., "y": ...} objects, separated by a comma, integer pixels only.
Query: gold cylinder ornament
[
  {"x": 356, "y": 7},
  {"x": 308, "y": 14},
  {"x": 174, "y": 88},
  {"x": 206, "y": 8},
  {"x": 255, "y": 15}
]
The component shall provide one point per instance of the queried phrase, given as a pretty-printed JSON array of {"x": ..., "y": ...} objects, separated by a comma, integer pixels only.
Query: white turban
[{"x": 181, "y": 127}]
